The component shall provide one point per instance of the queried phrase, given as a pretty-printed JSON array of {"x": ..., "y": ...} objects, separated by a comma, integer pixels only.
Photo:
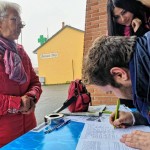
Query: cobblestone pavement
[{"x": 52, "y": 98}]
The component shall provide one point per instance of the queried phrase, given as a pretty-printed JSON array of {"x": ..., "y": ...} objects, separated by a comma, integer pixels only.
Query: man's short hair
[{"x": 107, "y": 52}]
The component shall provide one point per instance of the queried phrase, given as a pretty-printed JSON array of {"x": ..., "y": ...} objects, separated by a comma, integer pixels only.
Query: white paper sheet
[{"x": 102, "y": 136}]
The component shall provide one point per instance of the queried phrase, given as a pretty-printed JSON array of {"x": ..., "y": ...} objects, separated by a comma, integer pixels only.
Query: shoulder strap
[{"x": 67, "y": 103}]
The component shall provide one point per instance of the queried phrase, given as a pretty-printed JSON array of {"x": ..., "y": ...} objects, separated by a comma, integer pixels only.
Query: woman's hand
[
  {"x": 27, "y": 105},
  {"x": 125, "y": 119},
  {"x": 136, "y": 23},
  {"x": 137, "y": 139},
  {"x": 31, "y": 109}
]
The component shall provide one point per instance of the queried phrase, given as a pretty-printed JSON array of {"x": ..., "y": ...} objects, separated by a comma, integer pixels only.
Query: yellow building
[{"x": 60, "y": 57}]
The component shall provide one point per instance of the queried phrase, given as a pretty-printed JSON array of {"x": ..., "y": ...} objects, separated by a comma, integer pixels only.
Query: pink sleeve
[
  {"x": 34, "y": 89},
  {"x": 35, "y": 85}
]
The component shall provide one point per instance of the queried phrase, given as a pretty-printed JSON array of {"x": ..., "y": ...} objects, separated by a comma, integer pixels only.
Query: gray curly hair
[{"x": 5, "y": 5}]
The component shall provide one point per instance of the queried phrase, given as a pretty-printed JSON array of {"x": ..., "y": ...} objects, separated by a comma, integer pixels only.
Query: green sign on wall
[{"x": 42, "y": 39}]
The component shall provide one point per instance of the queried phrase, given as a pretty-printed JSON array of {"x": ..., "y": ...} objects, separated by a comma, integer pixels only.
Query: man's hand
[
  {"x": 136, "y": 23},
  {"x": 137, "y": 139},
  {"x": 125, "y": 119}
]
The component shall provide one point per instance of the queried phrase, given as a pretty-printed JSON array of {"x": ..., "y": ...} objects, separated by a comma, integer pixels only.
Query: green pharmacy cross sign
[{"x": 42, "y": 39}]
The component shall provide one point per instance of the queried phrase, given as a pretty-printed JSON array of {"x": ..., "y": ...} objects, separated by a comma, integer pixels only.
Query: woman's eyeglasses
[{"x": 16, "y": 20}]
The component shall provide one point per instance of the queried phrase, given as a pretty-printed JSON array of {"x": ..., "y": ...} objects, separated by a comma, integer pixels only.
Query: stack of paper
[{"x": 92, "y": 111}]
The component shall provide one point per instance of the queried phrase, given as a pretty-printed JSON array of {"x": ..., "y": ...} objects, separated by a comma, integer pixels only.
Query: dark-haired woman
[{"x": 127, "y": 18}]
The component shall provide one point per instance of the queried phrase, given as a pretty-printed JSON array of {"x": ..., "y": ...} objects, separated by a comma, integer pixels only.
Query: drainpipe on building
[{"x": 72, "y": 69}]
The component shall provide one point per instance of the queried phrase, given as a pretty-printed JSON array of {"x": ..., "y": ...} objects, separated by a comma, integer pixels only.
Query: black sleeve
[
  {"x": 141, "y": 31},
  {"x": 139, "y": 119}
]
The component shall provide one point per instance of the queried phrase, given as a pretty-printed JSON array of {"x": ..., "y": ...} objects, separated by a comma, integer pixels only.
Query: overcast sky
[{"x": 46, "y": 16}]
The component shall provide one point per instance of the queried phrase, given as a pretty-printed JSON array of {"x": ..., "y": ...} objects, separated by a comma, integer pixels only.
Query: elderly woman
[{"x": 20, "y": 87}]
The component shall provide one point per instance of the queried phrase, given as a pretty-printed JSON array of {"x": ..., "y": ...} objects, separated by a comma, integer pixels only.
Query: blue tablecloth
[{"x": 66, "y": 138}]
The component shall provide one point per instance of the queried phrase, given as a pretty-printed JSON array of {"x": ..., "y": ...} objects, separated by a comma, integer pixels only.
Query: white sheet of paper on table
[{"x": 104, "y": 137}]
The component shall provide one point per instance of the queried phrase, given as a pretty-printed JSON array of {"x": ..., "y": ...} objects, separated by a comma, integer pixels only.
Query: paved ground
[{"x": 52, "y": 98}]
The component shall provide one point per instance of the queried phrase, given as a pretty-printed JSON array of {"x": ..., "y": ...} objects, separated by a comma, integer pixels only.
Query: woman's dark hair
[{"x": 133, "y": 6}]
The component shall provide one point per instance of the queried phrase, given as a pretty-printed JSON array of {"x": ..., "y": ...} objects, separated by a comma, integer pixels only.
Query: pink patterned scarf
[
  {"x": 127, "y": 31},
  {"x": 12, "y": 61}
]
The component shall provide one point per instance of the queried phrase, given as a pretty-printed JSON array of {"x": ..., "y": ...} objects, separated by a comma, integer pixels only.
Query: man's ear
[{"x": 120, "y": 74}]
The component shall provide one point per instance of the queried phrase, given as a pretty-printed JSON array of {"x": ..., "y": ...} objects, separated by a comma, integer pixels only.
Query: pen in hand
[{"x": 117, "y": 110}]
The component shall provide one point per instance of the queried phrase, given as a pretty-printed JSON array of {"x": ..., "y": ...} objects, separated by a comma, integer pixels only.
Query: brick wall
[{"x": 96, "y": 25}]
